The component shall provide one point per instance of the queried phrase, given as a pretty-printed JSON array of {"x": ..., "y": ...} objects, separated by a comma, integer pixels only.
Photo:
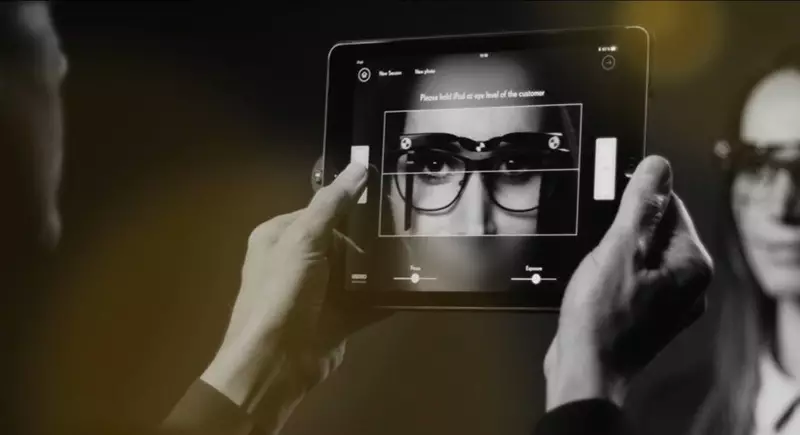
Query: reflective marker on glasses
[
  {"x": 360, "y": 154},
  {"x": 605, "y": 168}
]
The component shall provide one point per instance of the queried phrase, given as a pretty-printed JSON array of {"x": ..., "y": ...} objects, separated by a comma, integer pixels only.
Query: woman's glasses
[
  {"x": 432, "y": 169},
  {"x": 758, "y": 167}
]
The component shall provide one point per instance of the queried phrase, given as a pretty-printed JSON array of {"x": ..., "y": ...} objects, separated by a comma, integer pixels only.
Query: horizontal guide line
[
  {"x": 477, "y": 235},
  {"x": 408, "y": 278},
  {"x": 482, "y": 107},
  {"x": 484, "y": 172}
]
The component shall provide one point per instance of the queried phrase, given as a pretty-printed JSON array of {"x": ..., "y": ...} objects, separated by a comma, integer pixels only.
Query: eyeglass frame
[
  {"x": 736, "y": 157},
  {"x": 470, "y": 166}
]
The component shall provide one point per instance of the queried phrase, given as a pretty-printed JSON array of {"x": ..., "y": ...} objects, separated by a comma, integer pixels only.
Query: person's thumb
[
  {"x": 645, "y": 200},
  {"x": 313, "y": 228}
]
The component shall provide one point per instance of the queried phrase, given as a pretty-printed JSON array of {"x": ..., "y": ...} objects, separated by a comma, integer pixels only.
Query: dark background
[{"x": 188, "y": 125}]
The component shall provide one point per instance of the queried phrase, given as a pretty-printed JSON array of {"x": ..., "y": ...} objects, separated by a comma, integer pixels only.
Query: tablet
[{"x": 498, "y": 161}]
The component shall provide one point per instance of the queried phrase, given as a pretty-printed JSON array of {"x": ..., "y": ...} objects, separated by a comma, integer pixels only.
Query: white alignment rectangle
[
  {"x": 605, "y": 168},
  {"x": 360, "y": 154},
  {"x": 579, "y": 134}
]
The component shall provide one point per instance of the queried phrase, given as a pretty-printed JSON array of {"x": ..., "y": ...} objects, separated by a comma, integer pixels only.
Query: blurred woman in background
[{"x": 756, "y": 385}]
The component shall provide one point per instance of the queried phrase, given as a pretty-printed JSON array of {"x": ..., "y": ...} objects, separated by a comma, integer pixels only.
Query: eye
[
  {"x": 517, "y": 170},
  {"x": 432, "y": 164},
  {"x": 433, "y": 167},
  {"x": 513, "y": 164},
  {"x": 517, "y": 163},
  {"x": 436, "y": 169}
]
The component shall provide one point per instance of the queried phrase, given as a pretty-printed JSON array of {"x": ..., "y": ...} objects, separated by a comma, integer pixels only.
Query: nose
[
  {"x": 473, "y": 211},
  {"x": 784, "y": 203}
]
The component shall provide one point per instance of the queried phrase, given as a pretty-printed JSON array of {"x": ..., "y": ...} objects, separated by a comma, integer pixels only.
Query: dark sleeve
[
  {"x": 204, "y": 410},
  {"x": 584, "y": 417}
]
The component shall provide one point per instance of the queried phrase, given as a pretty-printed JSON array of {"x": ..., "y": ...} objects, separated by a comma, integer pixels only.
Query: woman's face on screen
[
  {"x": 452, "y": 202},
  {"x": 765, "y": 194},
  {"x": 448, "y": 201}
]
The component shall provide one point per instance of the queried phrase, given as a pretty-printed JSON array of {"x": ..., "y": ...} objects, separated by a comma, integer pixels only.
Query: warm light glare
[{"x": 688, "y": 36}]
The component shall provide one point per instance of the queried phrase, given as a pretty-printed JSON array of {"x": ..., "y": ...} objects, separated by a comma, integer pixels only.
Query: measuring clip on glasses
[{"x": 432, "y": 169}]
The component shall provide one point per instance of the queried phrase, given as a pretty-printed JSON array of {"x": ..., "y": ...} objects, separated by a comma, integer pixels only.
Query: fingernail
[
  {"x": 659, "y": 168},
  {"x": 354, "y": 172},
  {"x": 665, "y": 182}
]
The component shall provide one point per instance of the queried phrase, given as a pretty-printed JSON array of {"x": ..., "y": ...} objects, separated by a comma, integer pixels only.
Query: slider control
[
  {"x": 415, "y": 276},
  {"x": 536, "y": 278}
]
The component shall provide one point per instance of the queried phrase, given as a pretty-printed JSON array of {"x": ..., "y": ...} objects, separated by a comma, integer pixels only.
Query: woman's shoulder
[{"x": 668, "y": 404}]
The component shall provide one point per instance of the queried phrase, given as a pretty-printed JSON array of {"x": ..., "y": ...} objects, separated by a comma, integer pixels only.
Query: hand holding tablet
[
  {"x": 284, "y": 337},
  {"x": 635, "y": 292}
]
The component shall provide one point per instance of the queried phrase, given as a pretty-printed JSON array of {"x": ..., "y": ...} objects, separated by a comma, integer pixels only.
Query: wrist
[
  {"x": 582, "y": 378},
  {"x": 239, "y": 369},
  {"x": 259, "y": 381}
]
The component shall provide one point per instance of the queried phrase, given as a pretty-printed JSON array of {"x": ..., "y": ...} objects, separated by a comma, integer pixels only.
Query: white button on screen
[
  {"x": 360, "y": 154},
  {"x": 605, "y": 168}
]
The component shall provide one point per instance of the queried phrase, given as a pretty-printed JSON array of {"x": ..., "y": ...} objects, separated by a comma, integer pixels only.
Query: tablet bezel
[{"x": 340, "y": 60}]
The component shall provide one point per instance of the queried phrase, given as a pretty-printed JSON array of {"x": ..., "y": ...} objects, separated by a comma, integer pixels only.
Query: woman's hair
[
  {"x": 557, "y": 209},
  {"x": 747, "y": 319}
]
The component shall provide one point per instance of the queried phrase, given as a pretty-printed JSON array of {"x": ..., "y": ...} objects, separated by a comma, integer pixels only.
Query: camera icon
[
  {"x": 364, "y": 74},
  {"x": 554, "y": 142},
  {"x": 608, "y": 62},
  {"x": 405, "y": 143}
]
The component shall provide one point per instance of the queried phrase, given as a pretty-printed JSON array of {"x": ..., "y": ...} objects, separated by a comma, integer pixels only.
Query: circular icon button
[
  {"x": 608, "y": 62},
  {"x": 414, "y": 278},
  {"x": 364, "y": 74},
  {"x": 536, "y": 279},
  {"x": 553, "y": 142},
  {"x": 405, "y": 143}
]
